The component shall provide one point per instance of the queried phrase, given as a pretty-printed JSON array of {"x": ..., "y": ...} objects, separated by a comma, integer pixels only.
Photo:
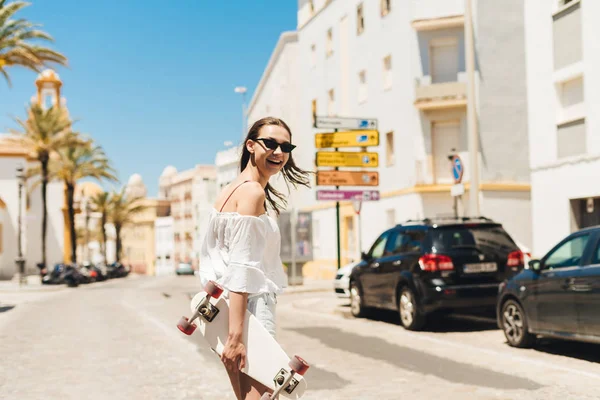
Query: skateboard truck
[
  {"x": 284, "y": 380},
  {"x": 205, "y": 309}
]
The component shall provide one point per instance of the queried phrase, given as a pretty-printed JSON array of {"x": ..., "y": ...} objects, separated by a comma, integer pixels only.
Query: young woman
[{"x": 241, "y": 246}]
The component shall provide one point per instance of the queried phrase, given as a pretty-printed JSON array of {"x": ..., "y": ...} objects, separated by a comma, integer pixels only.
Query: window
[
  {"x": 389, "y": 149},
  {"x": 360, "y": 19},
  {"x": 444, "y": 60},
  {"x": 595, "y": 259},
  {"x": 405, "y": 242},
  {"x": 313, "y": 55},
  {"x": 362, "y": 86},
  {"x": 329, "y": 48},
  {"x": 314, "y": 111},
  {"x": 311, "y": 7},
  {"x": 379, "y": 246},
  {"x": 567, "y": 254},
  {"x": 387, "y": 72},
  {"x": 386, "y": 7},
  {"x": 331, "y": 103}
]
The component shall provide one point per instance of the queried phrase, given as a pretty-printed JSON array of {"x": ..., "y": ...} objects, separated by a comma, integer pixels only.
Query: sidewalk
[
  {"x": 33, "y": 284},
  {"x": 311, "y": 285}
]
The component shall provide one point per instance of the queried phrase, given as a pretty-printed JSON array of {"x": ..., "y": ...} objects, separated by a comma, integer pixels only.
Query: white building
[
  {"x": 227, "y": 165},
  {"x": 12, "y": 157},
  {"x": 563, "y": 77},
  {"x": 403, "y": 62},
  {"x": 191, "y": 194},
  {"x": 165, "y": 246}
]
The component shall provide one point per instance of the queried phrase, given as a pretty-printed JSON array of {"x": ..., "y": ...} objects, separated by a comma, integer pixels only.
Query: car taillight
[
  {"x": 436, "y": 262},
  {"x": 515, "y": 259}
]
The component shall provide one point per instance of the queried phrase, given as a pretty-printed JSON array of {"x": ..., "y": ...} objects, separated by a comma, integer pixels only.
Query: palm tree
[
  {"x": 82, "y": 159},
  {"x": 121, "y": 211},
  {"x": 43, "y": 133},
  {"x": 16, "y": 47},
  {"x": 101, "y": 203}
]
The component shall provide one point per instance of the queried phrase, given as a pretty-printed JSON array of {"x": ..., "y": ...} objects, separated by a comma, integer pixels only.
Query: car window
[
  {"x": 396, "y": 243},
  {"x": 379, "y": 246},
  {"x": 567, "y": 254},
  {"x": 596, "y": 255},
  {"x": 492, "y": 239},
  {"x": 405, "y": 242}
]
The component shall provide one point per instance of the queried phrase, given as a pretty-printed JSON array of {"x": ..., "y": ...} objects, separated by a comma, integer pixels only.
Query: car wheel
[
  {"x": 514, "y": 325},
  {"x": 411, "y": 316},
  {"x": 356, "y": 305}
]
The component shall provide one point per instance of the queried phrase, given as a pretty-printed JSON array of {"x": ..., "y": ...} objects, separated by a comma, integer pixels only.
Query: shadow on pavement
[
  {"x": 473, "y": 322},
  {"x": 582, "y": 351},
  {"x": 415, "y": 360},
  {"x": 6, "y": 308}
]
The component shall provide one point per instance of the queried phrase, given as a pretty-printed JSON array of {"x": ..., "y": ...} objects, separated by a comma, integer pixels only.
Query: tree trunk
[
  {"x": 44, "y": 161},
  {"x": 118, "y": 243},
  {"x": 71, "y": 210},
  {"x": 103, "y": 222}
]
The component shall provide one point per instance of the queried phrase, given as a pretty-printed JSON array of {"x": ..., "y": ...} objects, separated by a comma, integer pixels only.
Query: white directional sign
[{"x": 345, "y": 123}]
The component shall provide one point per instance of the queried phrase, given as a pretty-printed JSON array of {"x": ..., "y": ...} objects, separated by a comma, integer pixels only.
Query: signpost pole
[
  {"x": 337, "y": 219},
  {"x": 293, "y": 221}
]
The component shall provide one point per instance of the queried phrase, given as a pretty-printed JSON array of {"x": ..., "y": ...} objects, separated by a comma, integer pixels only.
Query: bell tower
[{"x": 48, "y": 89}]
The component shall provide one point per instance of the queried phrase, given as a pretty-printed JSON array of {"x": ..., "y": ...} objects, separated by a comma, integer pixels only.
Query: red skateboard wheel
[
  {"x": 213, "y": 289},
  {"x": 185, "y": 327},
  {"x": 298, "y": 365}
]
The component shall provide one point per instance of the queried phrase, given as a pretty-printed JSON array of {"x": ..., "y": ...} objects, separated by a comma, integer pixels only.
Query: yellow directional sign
[
  {"x": 347, "y": 139},
  {"x": 347, "y": 159},
  {"x": 347, "y": 178}
]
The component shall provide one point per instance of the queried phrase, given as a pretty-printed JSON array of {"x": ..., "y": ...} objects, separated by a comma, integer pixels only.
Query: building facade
[
  {"x": 190, "y": 193},
  {"x": 165, "y": 246},
  {"x": 563, "y": 71},
  {"x": 404, "y": 63},
  {"x": 139, "y": 237}
]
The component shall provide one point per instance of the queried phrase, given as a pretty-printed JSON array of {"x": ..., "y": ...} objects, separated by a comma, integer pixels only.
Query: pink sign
[{"x": 341, "y": 195}]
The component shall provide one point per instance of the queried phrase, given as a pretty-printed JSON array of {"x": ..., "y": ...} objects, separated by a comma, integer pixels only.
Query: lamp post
[
  {"x": 242, "y": 90},
  {"x": 20, "y": 261}
]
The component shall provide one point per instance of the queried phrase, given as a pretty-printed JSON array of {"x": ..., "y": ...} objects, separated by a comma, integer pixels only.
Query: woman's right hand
[{"x": 234, "y": 354}]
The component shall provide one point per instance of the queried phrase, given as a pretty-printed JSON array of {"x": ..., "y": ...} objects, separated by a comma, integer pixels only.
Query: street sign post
[
  {"x": 347, "y": 139},
  {"x": 345, "y": 123},
  {"x": 347, "y": 178},
  {"x": 347, "y": 159},
  {"x": 344, "y": 195}
]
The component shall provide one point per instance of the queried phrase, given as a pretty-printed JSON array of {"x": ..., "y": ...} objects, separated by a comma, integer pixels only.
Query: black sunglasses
[{"x": 272, "y": 144}]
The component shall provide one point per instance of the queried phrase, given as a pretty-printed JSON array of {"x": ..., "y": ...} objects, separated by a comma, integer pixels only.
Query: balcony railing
[{"x": 440, "y": 95}]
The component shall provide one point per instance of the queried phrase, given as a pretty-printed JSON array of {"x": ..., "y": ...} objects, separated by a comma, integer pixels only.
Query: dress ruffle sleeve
[{"x": 244, "y": 272}]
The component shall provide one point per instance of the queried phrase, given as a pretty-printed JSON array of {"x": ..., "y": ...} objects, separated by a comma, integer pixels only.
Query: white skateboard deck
[{"x": 264, "y": 356}]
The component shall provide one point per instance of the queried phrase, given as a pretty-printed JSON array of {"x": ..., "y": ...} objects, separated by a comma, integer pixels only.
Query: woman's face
[{"x": 270, "y": 161}]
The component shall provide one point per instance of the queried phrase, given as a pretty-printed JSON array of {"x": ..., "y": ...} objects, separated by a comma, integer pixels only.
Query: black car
[
  {"x": 420, "y": 267},
  {"x": 557, "y": 296}
]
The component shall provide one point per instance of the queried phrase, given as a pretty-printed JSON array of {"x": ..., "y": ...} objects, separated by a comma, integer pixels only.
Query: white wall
[
  {"x": 428, "y": 9},
  {"x": 556, "y": 181}
]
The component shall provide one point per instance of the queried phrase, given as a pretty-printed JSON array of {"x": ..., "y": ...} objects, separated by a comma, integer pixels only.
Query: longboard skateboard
[{"x": 266, "y": 361}]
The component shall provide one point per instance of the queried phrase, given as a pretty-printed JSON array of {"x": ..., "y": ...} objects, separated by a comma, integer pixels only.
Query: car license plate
[{"x": 480, "y": 267}]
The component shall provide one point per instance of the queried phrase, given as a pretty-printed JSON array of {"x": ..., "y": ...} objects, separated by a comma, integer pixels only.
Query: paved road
[{"x": 118, "y": 340}]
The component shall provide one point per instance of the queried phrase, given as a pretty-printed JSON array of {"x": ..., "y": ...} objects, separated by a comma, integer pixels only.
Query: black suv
[
  {"x": 557, "y": 296},
  {"x": 428, "y": 265}
]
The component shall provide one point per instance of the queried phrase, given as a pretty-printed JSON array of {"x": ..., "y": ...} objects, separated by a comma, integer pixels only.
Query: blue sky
[{"x": 152, "y": 81}]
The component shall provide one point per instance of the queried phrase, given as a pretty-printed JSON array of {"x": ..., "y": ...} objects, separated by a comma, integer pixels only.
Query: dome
[
  {"x": 135, "y": 180},
  {"x": 48, "y": 77},
  {"x": 87, "y": 189},
  {"x": 169, "y": 171}
]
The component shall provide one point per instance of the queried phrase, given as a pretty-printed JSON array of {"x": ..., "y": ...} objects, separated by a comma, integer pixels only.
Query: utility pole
[{"x": 472, "y": 112}]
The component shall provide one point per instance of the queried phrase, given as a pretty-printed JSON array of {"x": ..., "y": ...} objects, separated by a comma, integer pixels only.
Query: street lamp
[
  {"x": 242, "y": 90},
  {"x": 20, "y": 261}
]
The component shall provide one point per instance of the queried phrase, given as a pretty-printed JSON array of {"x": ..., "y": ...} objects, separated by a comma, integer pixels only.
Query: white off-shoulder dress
[{"x": 242, "y": 254}]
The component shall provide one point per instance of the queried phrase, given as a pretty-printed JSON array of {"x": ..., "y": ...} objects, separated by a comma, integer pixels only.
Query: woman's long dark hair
[{"x": 291, "y": 173}]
